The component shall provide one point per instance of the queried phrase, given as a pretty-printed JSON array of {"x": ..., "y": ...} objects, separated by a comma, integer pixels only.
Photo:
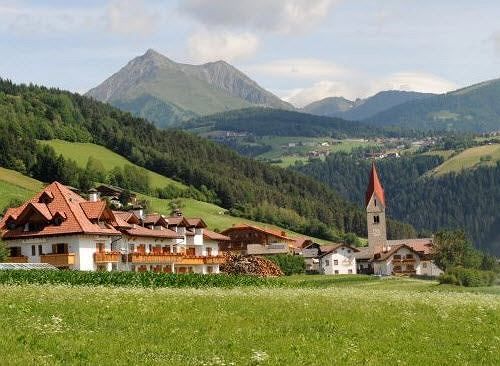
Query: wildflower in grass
[{"x": 259, "y": 356}]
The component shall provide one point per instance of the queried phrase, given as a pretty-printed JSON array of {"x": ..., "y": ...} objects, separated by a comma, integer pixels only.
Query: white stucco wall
[{"x": 346, "y": 262}]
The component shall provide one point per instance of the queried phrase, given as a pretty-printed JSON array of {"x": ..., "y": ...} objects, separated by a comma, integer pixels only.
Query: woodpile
[{"x": 250, "y": 265}]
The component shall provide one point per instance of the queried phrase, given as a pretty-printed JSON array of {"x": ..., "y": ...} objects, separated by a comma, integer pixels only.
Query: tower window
[
  {"x": 375, "y": 202},
  {"x": 376, "y": 219}
]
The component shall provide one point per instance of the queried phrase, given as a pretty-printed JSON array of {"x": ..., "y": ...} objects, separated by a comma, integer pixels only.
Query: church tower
[{"x": 375, "y": 212}]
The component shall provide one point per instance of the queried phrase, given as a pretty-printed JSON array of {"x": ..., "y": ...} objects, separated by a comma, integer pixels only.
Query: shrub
[
  {"x": 289, "y": 264},
  {"x": 131, "y": 279},
  {"x": 468, "y": 277}
]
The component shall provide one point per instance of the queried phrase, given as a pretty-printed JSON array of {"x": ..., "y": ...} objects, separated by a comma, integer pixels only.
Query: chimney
[
  {"x": 139, "y": 212},
  {"x": 93, "y": 195}
]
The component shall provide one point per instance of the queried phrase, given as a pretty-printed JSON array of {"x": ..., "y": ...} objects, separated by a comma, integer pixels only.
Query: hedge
[
  {"x": 132, "y": 279},
  {"x": 467, "y": 277},
  {"x": 289, "y": 264}
]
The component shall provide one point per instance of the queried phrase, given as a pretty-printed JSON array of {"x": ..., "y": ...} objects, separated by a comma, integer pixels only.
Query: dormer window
[
  {"x": 11, "y": 224},
  {"x": 46, "y": 197}
]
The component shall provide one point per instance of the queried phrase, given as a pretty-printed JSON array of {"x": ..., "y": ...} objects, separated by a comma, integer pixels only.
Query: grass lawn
[
  {"x": 14, "y": 185},
  {"x": 382, "y": 322},
  {"x": 470, "y": 159},
  {"x": 80, "y": 153}
]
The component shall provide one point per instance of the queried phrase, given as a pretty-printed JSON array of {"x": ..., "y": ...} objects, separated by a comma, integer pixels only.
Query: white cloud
[
  {"x": 285, "y": 16},
  {"x": 132, "y": 17},
  {"x": 204, "y": 47},
  {"x": 353, "y": 84},
  {"x": 301, "y": 69}
]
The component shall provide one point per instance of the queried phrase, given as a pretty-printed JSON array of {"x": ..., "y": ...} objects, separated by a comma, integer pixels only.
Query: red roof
[
  {"x": 145, "y": 232},
  {"x": 62, "y": 201},
  {"x": 374, "y": 187},
  {"x": 276, "y": 233},
  {"x": 212, "y": 235}
]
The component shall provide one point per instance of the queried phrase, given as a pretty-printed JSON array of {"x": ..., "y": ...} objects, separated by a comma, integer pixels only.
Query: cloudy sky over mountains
[{"x": 302, "y": 50}]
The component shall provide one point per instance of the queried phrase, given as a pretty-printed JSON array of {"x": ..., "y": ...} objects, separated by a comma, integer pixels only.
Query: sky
[{"x": 301, "y": 50}]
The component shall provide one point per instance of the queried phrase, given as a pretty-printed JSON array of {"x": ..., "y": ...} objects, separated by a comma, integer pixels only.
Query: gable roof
[
  {"x": 212, "y": 235},
  {"x": 242, "y": 226},
  {"x": 68, "y": 205},
  {"x": 421, "y": 245},
  {"x": 327, "y": 249},
  {"x": 382, "y": 256},
  {"x": 374, "y": 187},
  {"x": 137, "y": 230}
]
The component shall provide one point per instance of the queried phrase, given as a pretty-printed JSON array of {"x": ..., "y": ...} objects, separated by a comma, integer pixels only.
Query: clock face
[{"x": 376, "y": 231}]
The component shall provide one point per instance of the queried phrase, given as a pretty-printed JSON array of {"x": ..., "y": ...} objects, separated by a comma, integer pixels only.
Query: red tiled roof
[
  {"x": 423, "y": 245},
  {"x": 382, "y": 256},
  {"x": 93, "y": 210},
  {"x": 196, "y": 222},
  {"x": 177, "y": 221},
  {"x": 145, "y": 232},
  {"x": 276, "y": 233},
  {"x": 66, "y": 203},
  {"x": 374, "y": 187},
  {"x": 212, "y": 235}
]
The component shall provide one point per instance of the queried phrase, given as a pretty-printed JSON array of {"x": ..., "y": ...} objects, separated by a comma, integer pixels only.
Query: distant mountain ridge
[
  {"x": 166, "y": 92},
  {"x": 472, "y": 109},
  {"x": 362, "y": 108}
]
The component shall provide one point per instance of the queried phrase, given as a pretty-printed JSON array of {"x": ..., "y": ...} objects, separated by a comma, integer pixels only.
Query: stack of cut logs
[{"x": 247, "y": 264}]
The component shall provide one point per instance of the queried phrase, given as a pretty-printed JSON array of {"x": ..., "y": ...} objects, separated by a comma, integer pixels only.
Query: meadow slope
[{"x": 405, "y": 322}]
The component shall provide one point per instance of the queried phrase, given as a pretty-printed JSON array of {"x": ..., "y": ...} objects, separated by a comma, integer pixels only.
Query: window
[
  {"x": 375, "y": 202},
  {"x": 348, "y": 250},
  {"x": 40, "y": 250},
  {"x": 33, "y": 250},
  {"x": 99, "y": 247},
  {"x": 397, "y": 268},
  {"x": 409, "y": 267},
  {"x": 424, "y": 264},
  {"x": 336, "y": 271},
  {"x": 210, "y": 269},
  {"x": 409, "y": 256},
  {"x": 15, "y": 252},
  {"x": 335, "y": 262},
  {"x": 349, "y": 271},
  {"x": 376, "y": 219},
  {"x": 397, "y": 256},
  {"x": 209, "y": 252},
  {"x": 327, "y": 263}
]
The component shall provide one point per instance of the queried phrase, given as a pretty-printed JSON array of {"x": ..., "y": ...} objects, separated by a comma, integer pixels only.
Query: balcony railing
[
  {"x": 192, "y": 260},
  {"x": 154, "y": 258},
  {"x": 20, "y": 259},
  {"x": 107, "y": 257},
  {"x": 219, "y": 259},
  {"x": 58, "y": 260}
]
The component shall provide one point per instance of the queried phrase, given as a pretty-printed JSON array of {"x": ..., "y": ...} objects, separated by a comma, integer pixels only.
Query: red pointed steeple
[{"x": 374, "y": 187}]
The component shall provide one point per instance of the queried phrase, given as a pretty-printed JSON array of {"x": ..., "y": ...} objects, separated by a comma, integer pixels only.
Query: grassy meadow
[
  {"x": 80, "y": 153},
  {"x": 14, "y": 185},
  {"x": 318, "y": 320}
]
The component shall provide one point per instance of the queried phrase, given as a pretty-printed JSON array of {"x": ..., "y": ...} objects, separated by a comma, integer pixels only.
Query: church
[{"x": 390, "y": 257}]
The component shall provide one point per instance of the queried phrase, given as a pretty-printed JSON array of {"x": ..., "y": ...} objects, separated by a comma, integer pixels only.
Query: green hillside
[
  {"x": 15, "y": 186},
  {"x": 471, "y": 109},
  {"x": 81, "y": 152},
  {"x": 474, "y": 157}
]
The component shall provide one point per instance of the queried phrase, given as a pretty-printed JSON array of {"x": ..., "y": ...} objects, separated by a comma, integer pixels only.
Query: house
[
  {"x": 59, "y": 227},
  {"x": 249, "y": 239},
  {"x": 390, "y": 257},
  {"x": 337, "y": 259},
  {"x": 113, "y": 194}
]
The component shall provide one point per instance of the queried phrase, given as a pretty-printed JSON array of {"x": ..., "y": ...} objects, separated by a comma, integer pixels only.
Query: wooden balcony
[
  {"x": 58, "y": 260},
  {"x": 107, "y": 257},
  {"x": 20, "y": 259},
  {"x": 154, "y": 258},
  {"x": 219, "y": 259},
  {"x": 408, "y": 260},
  {"x": 190, "y": 260}
]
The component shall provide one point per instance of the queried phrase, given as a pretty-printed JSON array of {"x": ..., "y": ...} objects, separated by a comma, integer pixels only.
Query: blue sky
[{"x": 302, "y": 50}]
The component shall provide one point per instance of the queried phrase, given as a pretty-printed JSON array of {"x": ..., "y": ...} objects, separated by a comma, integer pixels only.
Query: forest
[
  {"x": 465, "y": 200},
  {"x": 248, "y": 188}
]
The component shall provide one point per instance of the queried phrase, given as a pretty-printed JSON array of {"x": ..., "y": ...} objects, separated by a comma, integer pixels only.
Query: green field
[
  {"x": 384, "y": 322},
  {"x": 14, "y": 185},
  {"x": 80, "y": 153},
  {"x": 474, "y": 157}
]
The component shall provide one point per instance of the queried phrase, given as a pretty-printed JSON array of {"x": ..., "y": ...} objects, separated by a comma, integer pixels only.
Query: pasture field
[
  {"x": 80, "y": 153},
  {"x": 14, "y": 185},
  {"x": 341, "y": 322},
  {"x": 474, "y": 157}
]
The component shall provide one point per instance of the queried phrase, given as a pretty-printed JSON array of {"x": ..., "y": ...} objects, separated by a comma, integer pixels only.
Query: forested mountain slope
[
  {"x": 467, "y": 200},
  {"x": 472, "y": 109},
  {"x": 243, "y": 185}
]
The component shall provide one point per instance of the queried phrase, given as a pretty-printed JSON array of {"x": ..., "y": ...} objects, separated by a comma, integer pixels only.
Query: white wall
[{"x": 346, "y": 262}]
